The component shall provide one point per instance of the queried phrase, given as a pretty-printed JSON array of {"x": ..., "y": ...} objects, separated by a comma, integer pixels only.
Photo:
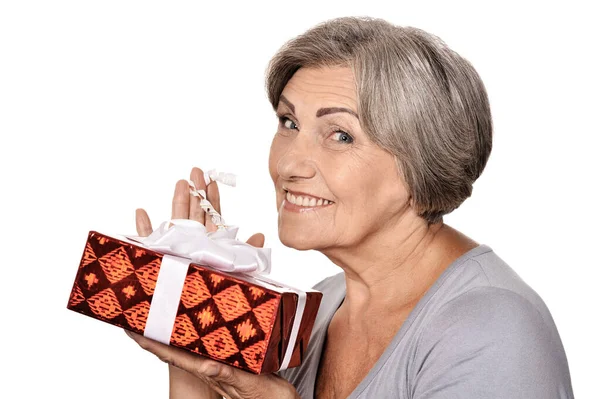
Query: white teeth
[{"x": 306, "y": 201}]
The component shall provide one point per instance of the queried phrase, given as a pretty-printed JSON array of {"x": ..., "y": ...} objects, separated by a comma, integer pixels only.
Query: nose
[{"x": 297, "y": 162}]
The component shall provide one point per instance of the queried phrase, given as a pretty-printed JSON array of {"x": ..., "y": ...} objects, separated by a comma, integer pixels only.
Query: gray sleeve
[{"x": 490, "y": 343}]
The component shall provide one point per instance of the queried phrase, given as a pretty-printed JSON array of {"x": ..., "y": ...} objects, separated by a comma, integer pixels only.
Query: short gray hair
[{"x": 417, "y": 99}]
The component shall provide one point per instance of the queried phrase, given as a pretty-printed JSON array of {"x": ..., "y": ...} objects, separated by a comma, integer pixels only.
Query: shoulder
[
  {"x": 493, "y": 339},
  {"x": 486, "y": 283},
  {"x": 335, "y": 281},
  {"x": 333, "y": 289},
  {"x": 489, "y": 312}
]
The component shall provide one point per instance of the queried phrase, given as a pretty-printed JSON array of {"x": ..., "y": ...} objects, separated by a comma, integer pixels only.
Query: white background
[{"x": 104, "y": 105}]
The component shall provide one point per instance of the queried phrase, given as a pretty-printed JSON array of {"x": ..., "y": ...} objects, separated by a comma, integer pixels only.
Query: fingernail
[{"x": 129, "y": 334}]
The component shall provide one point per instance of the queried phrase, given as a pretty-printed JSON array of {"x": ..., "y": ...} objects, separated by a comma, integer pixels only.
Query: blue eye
[
  {"x": 287, "y": 123},
  {"x": 343, "y": 137}
]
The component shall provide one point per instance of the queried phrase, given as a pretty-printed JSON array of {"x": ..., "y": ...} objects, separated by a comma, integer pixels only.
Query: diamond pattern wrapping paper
[{"x": 232, "y": 318}]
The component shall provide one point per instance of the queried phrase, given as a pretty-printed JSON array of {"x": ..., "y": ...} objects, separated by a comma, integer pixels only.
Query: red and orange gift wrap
[{"x": 243, "y": 320}]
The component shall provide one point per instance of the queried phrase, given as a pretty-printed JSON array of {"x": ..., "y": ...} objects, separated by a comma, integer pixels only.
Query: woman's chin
[{"x": 296, "y": 241}]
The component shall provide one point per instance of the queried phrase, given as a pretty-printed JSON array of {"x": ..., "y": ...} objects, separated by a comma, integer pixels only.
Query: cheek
[
  {"x": 273, "y": 159},
  {"x": 347, "y": 178},
  {"x": 274, "y": 156},
  {"x": 366, "y": 187}
]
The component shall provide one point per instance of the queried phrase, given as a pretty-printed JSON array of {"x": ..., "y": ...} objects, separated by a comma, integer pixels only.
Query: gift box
[{"x": 246, "y": 321}]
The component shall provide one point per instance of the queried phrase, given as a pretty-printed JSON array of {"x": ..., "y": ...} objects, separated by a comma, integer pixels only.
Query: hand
[
  {"x": 192, "y": 375},
  {"x": 228, "y": 381},
  {"x": 186, "y": 206}
]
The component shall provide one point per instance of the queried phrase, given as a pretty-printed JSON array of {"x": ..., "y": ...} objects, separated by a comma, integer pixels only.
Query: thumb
[{"x": 257, "y": 240}]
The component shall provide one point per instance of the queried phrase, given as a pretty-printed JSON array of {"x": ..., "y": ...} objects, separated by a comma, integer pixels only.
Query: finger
[
  {"x": 196, "y": 211},
  {"x": 181, "y": 200},
  {"x": 198, "y": 366},
  {"x": 202, "y": 368},
  {"x": 229, "y": 381},
  {"x": 257, "y": 240},
  {"x": 241, "y": 384},
  {"x": 184, "y": 383},
  {"x": 142, "y": 223},
  {"x": 214, "y": 198}
]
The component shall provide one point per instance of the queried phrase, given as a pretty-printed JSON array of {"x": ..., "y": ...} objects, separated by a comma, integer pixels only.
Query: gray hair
[{"x": 417, "y": 99}]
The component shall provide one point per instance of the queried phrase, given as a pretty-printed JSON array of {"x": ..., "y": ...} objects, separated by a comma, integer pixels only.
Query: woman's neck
[{"x": 388, "y": 273}]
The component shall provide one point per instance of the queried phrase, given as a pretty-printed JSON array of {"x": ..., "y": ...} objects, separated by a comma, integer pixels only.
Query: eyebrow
[{"x": 321, "y": 111}]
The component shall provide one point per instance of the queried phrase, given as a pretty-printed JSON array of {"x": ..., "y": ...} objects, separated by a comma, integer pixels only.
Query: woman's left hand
[{"x": 228, "y": 381}]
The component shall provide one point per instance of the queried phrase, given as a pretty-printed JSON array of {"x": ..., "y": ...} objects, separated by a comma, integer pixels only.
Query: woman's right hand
[{"x": 185, "y": 206}]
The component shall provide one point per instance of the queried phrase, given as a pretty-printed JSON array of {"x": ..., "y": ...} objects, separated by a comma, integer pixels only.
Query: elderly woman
[{"x": 382, "y": 131}]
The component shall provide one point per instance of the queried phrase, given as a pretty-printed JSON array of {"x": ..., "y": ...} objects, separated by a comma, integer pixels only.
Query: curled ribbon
[
  {"x": 225, "y": 178},
  {"x": 219, "y": 249},
  {"x": 212, "y": 175}
]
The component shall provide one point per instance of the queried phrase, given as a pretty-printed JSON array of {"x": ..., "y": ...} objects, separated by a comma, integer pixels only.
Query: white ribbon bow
[{"x": 219, "y": 249}]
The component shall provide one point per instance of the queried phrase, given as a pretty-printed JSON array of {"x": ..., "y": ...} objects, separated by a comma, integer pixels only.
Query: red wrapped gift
[{"x": 246, "y": 321}]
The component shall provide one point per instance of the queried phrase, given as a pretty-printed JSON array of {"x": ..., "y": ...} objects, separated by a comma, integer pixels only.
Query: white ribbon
[
  {"x": 300, "y": 306},
  {"x": 219, "y": 249},
  {"x": 295, "y": 329},
  {"x": 212, "y": 175},
  {"x": 225, "y": 178},
  {"x": 164, "y": 304}
]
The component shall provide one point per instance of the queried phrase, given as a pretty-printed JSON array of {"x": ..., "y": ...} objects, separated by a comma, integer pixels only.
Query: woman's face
[{"x": 335, "y": 188}]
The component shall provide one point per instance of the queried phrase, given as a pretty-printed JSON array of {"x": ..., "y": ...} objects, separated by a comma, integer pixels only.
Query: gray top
[{"x": 479, "y": 332}]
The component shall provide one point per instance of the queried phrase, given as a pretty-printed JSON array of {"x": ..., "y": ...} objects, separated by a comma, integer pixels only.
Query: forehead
[{"x": 323, "y": 86}]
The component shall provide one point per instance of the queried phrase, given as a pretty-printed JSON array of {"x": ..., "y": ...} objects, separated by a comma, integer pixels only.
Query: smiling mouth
[{"x": 305, "y": 201}]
